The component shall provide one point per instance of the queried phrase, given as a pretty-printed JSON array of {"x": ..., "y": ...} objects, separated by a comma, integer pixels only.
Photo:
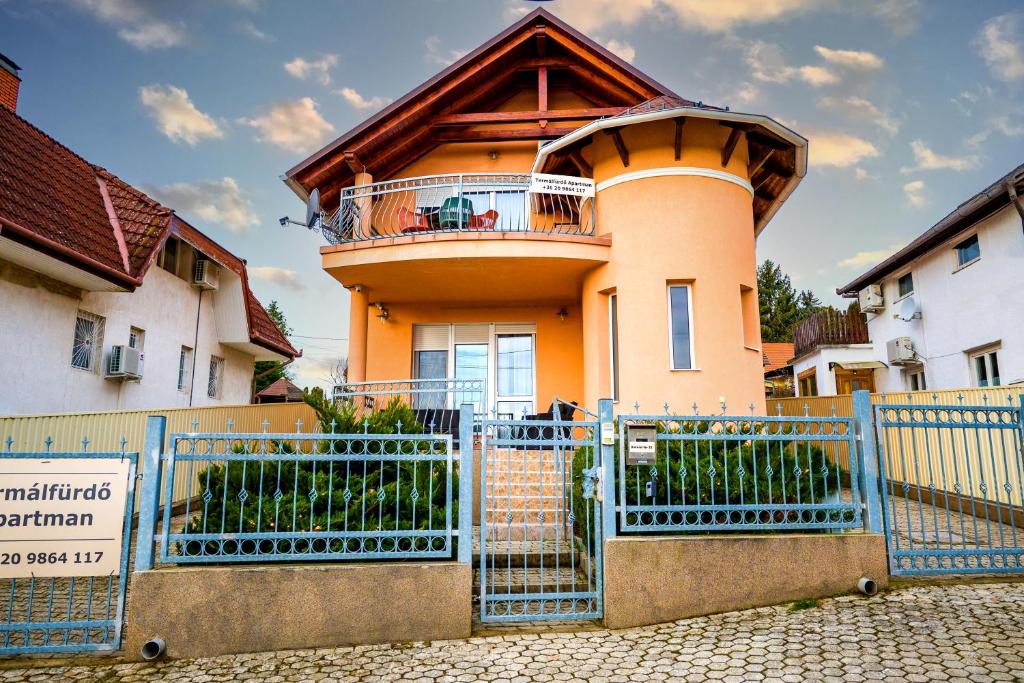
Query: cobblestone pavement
[{"x": 968, "y": 633}]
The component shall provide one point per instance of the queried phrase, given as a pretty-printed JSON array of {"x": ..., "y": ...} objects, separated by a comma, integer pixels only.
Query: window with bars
[
  {"x": 87, "y": 346},
  {"x": 213, "y": 386}
]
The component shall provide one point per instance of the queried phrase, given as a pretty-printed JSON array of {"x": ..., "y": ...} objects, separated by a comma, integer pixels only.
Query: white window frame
[
  {"x": 95, "y": 343},
  {"x": 186, "y": 357},
  {"x": 922, "y": 379},
  {"x": 613, "y": 345},
  {"x": 986, "y": 354},
  {"x": 957, "y": 266},
  {"x": 913, "y": 286},
  {"x": 214, "y": 385},
  {"x": 689, "y": 315}
]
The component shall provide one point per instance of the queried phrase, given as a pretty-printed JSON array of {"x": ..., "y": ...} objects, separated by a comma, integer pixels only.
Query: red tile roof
[
  {"x": 55, "y": 201},
  {"x": 282, "y": 388},
  {"x": 776, "y": 355}
]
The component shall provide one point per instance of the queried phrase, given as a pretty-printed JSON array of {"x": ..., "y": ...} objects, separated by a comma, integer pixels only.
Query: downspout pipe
[
  {"x": 195, "y": 350},
  {"x": 1012, "y": 191}
]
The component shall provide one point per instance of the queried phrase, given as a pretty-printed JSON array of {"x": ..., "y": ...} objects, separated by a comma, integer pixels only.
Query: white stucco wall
[
  {"x": 820, "y": 360},
  {"x": 36, "y": 333},
  {"x": 962, "y": 310}
]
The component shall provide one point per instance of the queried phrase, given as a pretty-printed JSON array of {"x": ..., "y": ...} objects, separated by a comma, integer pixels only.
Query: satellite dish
[
  {"x": 909, "y": 310},
  {"x": 313, "y": 209}
]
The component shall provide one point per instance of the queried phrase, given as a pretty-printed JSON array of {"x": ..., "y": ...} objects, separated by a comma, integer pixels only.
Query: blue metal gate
[
  {"x": 540, "y": 520},
  {"x": 953, "y": 487},
  {"x": 68, "y": 613}
]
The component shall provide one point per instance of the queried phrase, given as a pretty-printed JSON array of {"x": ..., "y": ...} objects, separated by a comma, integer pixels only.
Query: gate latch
[{"x": 590, "y": 477}]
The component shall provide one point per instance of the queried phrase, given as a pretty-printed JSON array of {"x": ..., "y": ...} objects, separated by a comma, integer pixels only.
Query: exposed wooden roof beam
[
  {"x": 353, "y": 162},
  {"x": 542, "y": 93},
  {"x": 471, "y": 119},
  {"x": 755, "y": 165},
  {"x": 637, "y": 88},
  {"x": 620, "y": 145},
  {"x": 678, "y": 143},
  {"x": 761, "y": 137},
  {"x": 540, "y": 31},
  {"x": 730, "y": 145},
  {"x": 610, "y": 90},
  {"x": 580, "y": 163},
  {"x": 501, "y": 135}
]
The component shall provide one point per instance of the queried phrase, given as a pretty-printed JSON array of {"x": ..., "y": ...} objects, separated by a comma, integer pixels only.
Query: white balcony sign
[
  {"x": 546, "y": 183},
  {"x": 61, "y": 516}
]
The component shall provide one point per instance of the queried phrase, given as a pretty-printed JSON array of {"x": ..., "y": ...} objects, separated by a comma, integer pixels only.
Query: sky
[{"x": 910, "y": 106}]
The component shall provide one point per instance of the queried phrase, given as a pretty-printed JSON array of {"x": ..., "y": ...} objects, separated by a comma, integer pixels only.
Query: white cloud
[
  {"x": 1001, "y": 44},
  {"x": 901, "y": 16},
  {"x": 318, "y": 70},
  {"x": 868, "y": 258},
  {"x": 817, "y": 76},
  {"x": 928, "y": 160},
  {"x": 135, "y": 23},
  {"x": 767, "y": 64},
  {"x": 862, "y": 174},
  {"x": 914, "y": 193},
  {"x": 214, "y": 201},
  {"x": 360, "y": 102},
  {"x": 839, "y": 149},
  {"x": 281, "y": 277},
  {"x": 851, "y": 59},
  {"x": 861, "y": 109},
  {"x": 436, "y": 55},
  {"x": 621, "y": 49},
  {"x": 293, "y": 125},
  {"x": 250, "y": 29},
  {"x": 747, "y": 93},
  {"x": 176, "y": 116}
]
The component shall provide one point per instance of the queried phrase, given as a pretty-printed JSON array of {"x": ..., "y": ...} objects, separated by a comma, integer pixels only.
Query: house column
[
  {"x": 357, "y": 334},
  {"x": 364, "y": 204}
]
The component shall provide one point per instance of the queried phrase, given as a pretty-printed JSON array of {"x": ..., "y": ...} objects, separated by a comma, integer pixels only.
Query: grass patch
[{"x": 799, "y": 605}]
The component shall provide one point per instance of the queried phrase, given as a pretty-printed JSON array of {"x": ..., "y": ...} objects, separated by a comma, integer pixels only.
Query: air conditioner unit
[
  {"x": 871, "y": 299},
  {"x": 205, "y": 275},
  {"x": 124, "y": 363},
  {"x": 901, "y": 351}
]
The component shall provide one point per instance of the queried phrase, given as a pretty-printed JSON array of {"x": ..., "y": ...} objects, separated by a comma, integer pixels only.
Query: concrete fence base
[
  {"x": 652, "y": 580},
  {"x": 207, "y": 611}
]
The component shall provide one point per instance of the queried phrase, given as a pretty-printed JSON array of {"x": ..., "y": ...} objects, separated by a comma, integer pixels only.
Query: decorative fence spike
[
  {"x": 298, "y": 426},
  {"x": 266, "y": 425},
  {"x": 696, "y": 410},
  {"x": 48, "y": 441},
  {"x": 195, "y": 424},
  {"x": 85, "y": 444},
  {"x": 665, "y": 406},
  {"x": 636, "y": 407},
  {"x": 124, "y": 444},
  {"x": 807, "y": 410},
  {"x": 334, "y": 425},
  {"x": 231, "y": 425},
  {"x": 10, "y": 443}
]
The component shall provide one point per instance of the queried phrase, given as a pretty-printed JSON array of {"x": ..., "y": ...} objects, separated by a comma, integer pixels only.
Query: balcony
[
  {"x": 829, "y": 328},
  {"x": 453, "y": 204}
]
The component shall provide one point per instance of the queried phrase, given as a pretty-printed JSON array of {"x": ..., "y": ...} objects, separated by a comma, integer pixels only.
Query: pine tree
[
  {"x": 277, "y": 315},
  {"x": 781, "y": 307}
]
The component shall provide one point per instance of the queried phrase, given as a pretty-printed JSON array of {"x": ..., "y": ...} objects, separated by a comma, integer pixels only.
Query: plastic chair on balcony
[
  {"x": 455, "y": 213},
  {"x": 484, "y": 221},
  {"x": 412, "y": 221}
]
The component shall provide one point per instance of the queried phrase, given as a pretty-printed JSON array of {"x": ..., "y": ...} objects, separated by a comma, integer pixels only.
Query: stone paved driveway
[{"x": 970, "y": 633}]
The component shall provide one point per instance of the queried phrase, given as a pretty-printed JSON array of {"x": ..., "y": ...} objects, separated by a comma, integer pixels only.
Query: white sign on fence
[
  {"x": 61, "y": 516},
  {"x": 546, "y": 183}
]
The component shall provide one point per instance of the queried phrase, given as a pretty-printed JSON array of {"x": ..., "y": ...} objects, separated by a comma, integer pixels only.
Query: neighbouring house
[
  {"x": 280, "y": 391},
  {"x": 832, "y": 354},
  {"x": 109, "y": 300},
  {"x": 545, "y": 219},
  {"x": 778, "y": 373},
  {"x": 946, "y": 311}
]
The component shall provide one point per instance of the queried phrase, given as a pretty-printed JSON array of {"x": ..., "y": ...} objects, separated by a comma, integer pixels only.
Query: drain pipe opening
[
  {"x": 153, "y": 649},
  {"x": 867, "y": 586}
]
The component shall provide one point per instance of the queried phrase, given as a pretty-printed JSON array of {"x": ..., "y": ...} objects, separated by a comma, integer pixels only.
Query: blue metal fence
[
  {"x": 954, "y": 487},
  {"x": 540, "y": 520},
  {"x": 273, "y": 497},
  {"x": 51, "y": 614},
  {"x": 741, "y": 473}
]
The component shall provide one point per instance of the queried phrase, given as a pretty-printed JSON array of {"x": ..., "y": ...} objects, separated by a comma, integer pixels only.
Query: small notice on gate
[
  {"x": 61, "y": 516},
  {"x": 546, "y": 183}
]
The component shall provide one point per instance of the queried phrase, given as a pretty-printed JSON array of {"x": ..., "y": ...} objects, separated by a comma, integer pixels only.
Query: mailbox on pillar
[{"x": 641, "y": 443}]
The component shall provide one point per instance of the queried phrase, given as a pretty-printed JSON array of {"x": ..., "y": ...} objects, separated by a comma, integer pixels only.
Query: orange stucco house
[{"x": 544, "y": 217}]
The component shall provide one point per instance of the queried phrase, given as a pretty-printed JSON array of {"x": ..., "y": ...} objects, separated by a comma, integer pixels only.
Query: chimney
[{"x": 9, "y": 83}]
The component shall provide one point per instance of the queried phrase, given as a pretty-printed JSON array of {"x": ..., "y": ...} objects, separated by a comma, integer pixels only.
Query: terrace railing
[
  {"x": 293, "y": 497},
  {"x": 453, "y": 203},
  {"x": 735, "y": 473},
  {"x": 435, "y": 402},
  {"x": 830, "y": 327}
]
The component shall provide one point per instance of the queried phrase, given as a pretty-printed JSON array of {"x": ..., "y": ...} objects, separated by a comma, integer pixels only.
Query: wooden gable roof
[{"x": 535, "y": 50}]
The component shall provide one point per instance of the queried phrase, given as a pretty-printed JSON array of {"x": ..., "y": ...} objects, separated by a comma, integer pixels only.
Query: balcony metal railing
[
  {"x": 477, "y": 202},
  {"x": 830, "y": 327},
  {"x": 435, "y": 402}
]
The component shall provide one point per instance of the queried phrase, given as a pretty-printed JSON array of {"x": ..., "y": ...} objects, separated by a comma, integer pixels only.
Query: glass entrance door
[{"x": 515, "y": 374}]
